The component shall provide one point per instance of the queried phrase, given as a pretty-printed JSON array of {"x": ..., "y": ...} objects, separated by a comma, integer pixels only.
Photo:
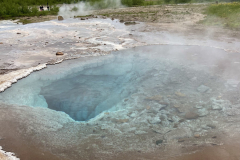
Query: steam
[{"x": 86, "y": 8}]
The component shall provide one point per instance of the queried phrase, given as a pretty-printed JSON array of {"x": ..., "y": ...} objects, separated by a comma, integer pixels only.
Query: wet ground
[{"x": 181, "y": 102}]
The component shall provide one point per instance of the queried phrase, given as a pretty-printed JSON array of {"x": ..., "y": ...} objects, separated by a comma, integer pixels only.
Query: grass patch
[
  {"x": 25, "y": 21},
  {"x": 224, "y": 14}
]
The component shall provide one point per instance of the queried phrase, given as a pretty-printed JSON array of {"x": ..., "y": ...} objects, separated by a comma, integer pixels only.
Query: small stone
[
  {"x": 155, "y": 120},
  {"x": 202, "y": 89},
  {"x": 82, "y": 18},
  {"x": 160, "y": 141},
  {"x": 140, "y": 132},
  {"x": 181, "y": 120},
  {"x": 121, "y": 21},
  {"x": 178, "y": 108},
  {"x": 198, "y": 106},
  {"x": 154, "y": 98},
  {"x": 211, "y": 126},
  {"x": 122, "y": 120},
  {"x": 219, "y": 104},
  {"x": 179, "y": 94},
  {"x": 181, "y": 140},
  {"x": 60, "y": 18},
  {"x": 203, "y": 112},
  {"x": 133, "y": 115},
  {"x": 196, "y": 135},
  {"x": 148, "y": 107},
  {"x": 214, "y": 136},
  {"x": 59, "y": 53},
  {"x": 175, "y": 125},
  {"x": 18, "y": 33},
  {"x": 191, "y": 115}
]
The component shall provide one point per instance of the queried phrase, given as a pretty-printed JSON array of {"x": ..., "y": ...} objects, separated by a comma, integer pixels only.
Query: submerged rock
[
  {"x": 203, "y": 112},
  {"x": 219, "y": 104},
  {"x": 203, "y": 89},
  {"x": 160, "y": 141},
  {"x": 154, "y": 120},
  {"x": 196, "y": 135},
  {"x": 191, "y": 115},
  {"x": 140, "y": 132}
]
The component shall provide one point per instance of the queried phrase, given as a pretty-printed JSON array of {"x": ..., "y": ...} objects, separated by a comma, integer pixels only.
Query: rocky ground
[{"x": 194, "y": 110}]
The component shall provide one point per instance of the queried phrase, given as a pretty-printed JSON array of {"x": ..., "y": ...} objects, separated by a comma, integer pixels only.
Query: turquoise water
[{"x": 83, "y": 88}]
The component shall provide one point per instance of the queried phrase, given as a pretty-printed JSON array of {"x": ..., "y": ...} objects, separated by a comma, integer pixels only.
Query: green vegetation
[
  {"x": 224, "y": 14},
  {"x": 229, "y": 12},
  {"x": 132, "y": 2},
  {"x": 19, "y": 8}
]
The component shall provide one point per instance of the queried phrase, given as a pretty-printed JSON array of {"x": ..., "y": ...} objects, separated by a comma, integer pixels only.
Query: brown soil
[
  {"x": 183, "y": 14},
  {"x": 182, "y": 19}
]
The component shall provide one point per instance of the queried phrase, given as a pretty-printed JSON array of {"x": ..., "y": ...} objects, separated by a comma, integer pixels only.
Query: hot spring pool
[{"x": 83, "y": 88}]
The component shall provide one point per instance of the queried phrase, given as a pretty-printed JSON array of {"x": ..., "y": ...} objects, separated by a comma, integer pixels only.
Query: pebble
[
  {"x": 196, "y": 135},
  {"x": 140, "y": 132},
  {"x": 181, "y": 140},
  {"x": 203, "y": 112},
  {"x": 202, "y": 89},
  {"x": 155, "y": 120},
  {"x": 179, "y": 94},
  {"x": 191, "y": 115},
  {"x": 211, "y": 126},
  {"x": 198, "y": 106},
  {"x": 160, "y": 141}
]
